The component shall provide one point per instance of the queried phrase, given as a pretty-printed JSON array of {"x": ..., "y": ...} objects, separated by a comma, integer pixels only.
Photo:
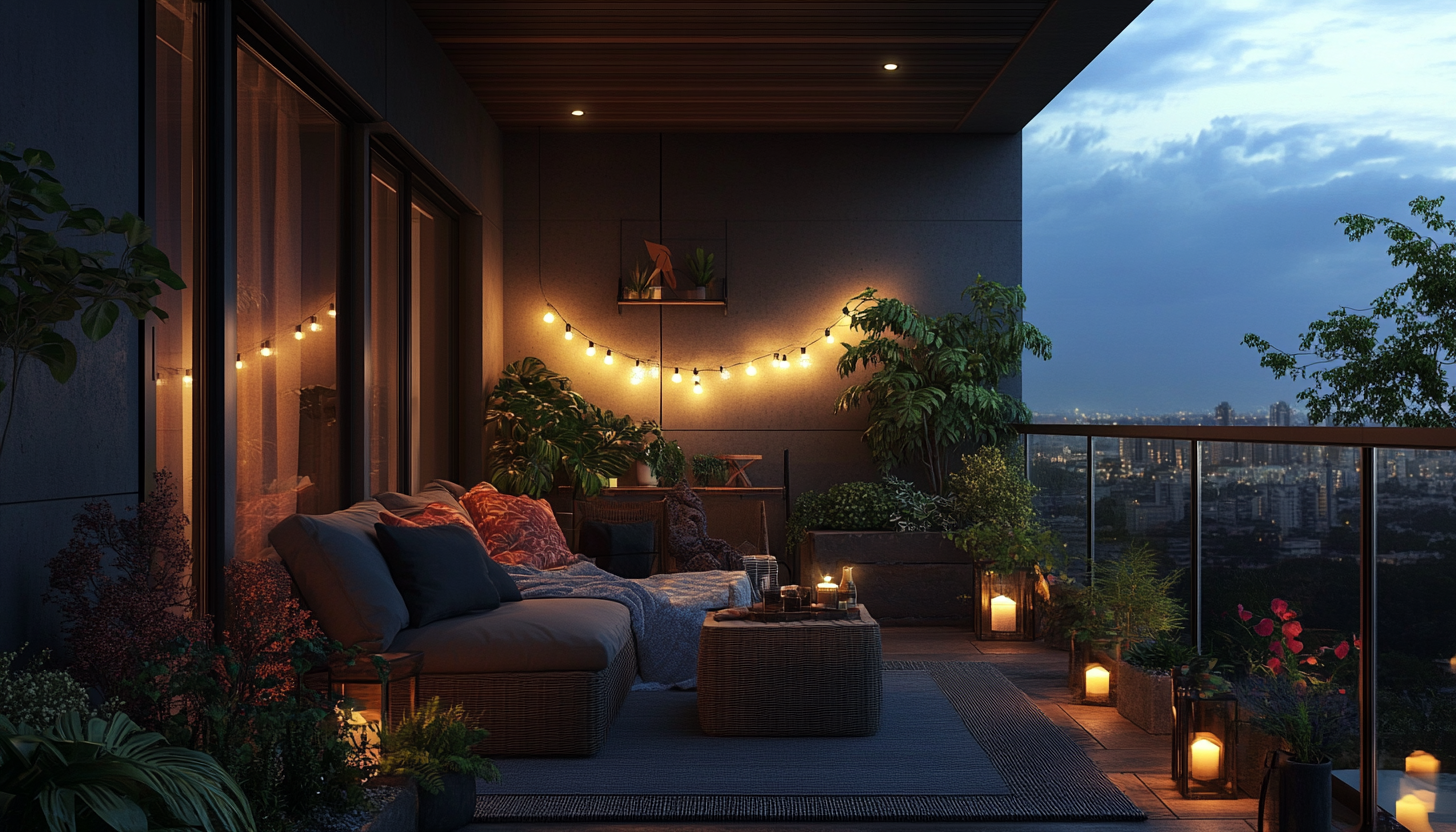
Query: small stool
[
  {"x": 397, "y": 667},
  {"x": 738, "y": 468}
]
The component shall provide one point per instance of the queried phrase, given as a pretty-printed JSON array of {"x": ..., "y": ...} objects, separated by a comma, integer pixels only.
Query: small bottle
[{"x": 848, "y": 595}]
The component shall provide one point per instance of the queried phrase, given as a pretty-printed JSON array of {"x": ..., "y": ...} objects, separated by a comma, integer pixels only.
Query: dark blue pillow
[
  {"x": 504, "y": 583},
  {"x": 440, "y": 570},
  {"x": 624, "y": 549}
]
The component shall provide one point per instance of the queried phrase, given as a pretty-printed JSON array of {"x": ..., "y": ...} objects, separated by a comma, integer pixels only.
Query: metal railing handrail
[{"x": 1373, "y": 437}]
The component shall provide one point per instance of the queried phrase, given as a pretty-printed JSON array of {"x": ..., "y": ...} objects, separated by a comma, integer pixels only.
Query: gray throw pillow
[
  {"x": 405, "y": 504},
  {"x": 440, "y": 571},
  {"x": 342, "y": 576}
]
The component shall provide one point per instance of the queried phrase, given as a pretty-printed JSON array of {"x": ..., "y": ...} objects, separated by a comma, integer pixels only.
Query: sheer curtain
[{"x": 287, "y": 256}]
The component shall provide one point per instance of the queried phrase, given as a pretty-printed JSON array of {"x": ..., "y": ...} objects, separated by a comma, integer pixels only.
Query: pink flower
[
  {"x": 1244, "y": 614},
  {"x": 1276, "y": 647},
  {"x": 1357, "y": 642},
  {"x": 1279, "y": 605},
  {"x": 1265, "y": 627},
  {"x": 1293, "y": 645},
  {"x": 1291, "y": 629},
  {"x": 1342, "y": 650},
  {"x": 1274, "y": 664}
]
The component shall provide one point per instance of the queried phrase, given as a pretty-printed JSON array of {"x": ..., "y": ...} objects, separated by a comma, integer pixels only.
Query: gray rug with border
[{"x": 1035, "y": 771}]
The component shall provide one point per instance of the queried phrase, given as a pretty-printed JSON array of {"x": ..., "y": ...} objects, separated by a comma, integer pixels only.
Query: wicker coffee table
[{"x": 798, "y": 678}]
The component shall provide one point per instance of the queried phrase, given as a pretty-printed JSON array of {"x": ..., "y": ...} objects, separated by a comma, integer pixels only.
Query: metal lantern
[
  {"x": 758, "y": 568},
  {"x": 1205, "y": 743},
  {"x": 1007, "y": 606}
]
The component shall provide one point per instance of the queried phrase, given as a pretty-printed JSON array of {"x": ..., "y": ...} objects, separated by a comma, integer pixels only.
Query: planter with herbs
[{"x": 1145, "y": 682}]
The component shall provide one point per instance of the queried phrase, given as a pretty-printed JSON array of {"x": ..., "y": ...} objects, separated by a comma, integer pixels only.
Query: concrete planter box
[
  {"x": 1145, "y": 699},
  {"x": 905, "y": 578}
]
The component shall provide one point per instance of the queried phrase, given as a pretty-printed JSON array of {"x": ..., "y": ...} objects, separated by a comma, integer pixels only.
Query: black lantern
[
  {"x": 1007, "y": 606},
  {"x": 1205, "y": 743}
]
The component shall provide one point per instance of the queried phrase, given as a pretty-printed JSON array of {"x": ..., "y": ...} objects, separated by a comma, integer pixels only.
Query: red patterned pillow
[
  {"x": 517, "y": 529},
  {"x": 434, "y": 514}
]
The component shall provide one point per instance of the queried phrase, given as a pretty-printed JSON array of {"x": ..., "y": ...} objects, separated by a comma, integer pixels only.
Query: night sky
[{"x": 1184, "y": 189}]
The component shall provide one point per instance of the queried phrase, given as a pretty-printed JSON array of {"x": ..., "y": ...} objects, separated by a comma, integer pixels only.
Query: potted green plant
[
  {"x": 640, "y": 283},
  {"x": 1313, "y": 722},
  {"x": 433, "y": 746},
  {"x": 1145, "y": 687},
  {"x": 709, "y": 471},
  {"x": 665, "y": 459},
  {"x": 700, "y": 272}
]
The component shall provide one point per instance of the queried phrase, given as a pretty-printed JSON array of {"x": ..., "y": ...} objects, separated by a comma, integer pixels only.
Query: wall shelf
[{"x": 723, "y": 302}]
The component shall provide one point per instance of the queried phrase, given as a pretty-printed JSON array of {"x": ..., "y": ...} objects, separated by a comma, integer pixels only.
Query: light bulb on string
[
  {"x": 298, "y": 332},
  {"x": 828, "y": 337},
  {"x": 656, "y": 371},
  {"x": 267, "y": 349},
  {"x": 803, "y": 356},
  {"x": 333, "y": 313},
  {"x": 723, "y": 372},
  {"x": 676, "y": 375},
  {"x": 750, "y": 369},
  {"x": 591, "y": 348},
  {"x": 239, "y": 363},
  {"x": 158, "y": 377},
  {"x": 696, "y": 379},
  {"x": 549, "y": 318},
  {"x": 314, "y": 325},
  {"x": 637, "y": 373},
  {"x": 608, "y": 359},
  {"x": 698, "y": 387},
  {"x": 569, "y": 336},
  {"x": 187, "y": 376}
]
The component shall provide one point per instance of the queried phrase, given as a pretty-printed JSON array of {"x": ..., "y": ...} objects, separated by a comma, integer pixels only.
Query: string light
[
  {"x": 158, "y": 377},
  {"x": 723, "y": 371},
  {"x": 187, "y": 376},
  {"x": 333, "y": 313},
  {"x": 569, "y": 336},
  {"x": 239, "y": 363},
  {"x": 656, "y": 371},
  {"x": 548, "y": 318},
  {"x": 828, "y": 337},
  {"x": 314, "y": 325},
  {"x": 803, "y": 356},
  {"x": 676, "y": 375},
  {"x": 751, "y": 370},
  {"x": 608, "y": 359},
  {"x": 267, "y": 349},
  {"x": 637, "y": 373},
  {"x": 591, "y": 348},
  {"x": 696, "y": 380},
  {"x": 298, "y": 333},
  {"x": 697, "y": 387}
]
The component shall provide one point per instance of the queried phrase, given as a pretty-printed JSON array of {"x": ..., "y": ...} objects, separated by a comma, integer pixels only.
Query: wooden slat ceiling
[{"x": 795, "y": 65}]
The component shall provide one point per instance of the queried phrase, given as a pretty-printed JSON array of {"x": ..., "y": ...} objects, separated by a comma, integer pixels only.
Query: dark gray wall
[
  {"x": 73, "y": 89},
  {"x": 808, "y": 221}
]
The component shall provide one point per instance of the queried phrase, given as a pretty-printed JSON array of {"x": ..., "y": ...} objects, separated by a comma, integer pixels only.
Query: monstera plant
[{"x": 542, "y": 427}]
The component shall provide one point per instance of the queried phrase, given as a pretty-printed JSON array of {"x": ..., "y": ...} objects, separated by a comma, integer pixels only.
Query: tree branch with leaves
[{"x": 1401, "y": 379}]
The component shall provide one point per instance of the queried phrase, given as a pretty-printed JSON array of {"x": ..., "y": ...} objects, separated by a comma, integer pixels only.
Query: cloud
[{"x": 1147, "y": 268}]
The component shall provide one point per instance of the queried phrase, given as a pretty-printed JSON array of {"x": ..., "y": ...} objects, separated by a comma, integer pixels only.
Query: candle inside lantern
[
  {"x": 1205, "y": 757},
  {"x": 1003, "y": 614},
  {"x": 1099, "y": 683},
  {"x": 1423, "y": 765},
  {"x": 828, "y": 593},
  {"x": 1411, "y": 812}
]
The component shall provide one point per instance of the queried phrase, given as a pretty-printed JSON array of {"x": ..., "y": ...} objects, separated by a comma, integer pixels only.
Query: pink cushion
[{"x": 517, "y": 529}]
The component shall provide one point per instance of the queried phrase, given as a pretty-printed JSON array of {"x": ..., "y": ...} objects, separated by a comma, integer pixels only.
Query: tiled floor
[{"x": 1133, "y": 759}]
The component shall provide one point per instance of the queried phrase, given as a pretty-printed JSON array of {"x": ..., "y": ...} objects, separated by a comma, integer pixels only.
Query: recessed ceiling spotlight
[
  {"x": 578, "y": 112},
  {"x": 892, "y": 67}
]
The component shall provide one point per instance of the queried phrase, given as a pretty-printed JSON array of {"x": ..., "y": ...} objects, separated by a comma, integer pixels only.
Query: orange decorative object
[
  {"x": 737, "y": 469},
  {"x": 662, "y": 259}
]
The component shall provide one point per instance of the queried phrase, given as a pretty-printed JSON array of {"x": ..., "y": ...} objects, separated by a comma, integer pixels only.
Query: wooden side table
[
  {"x": 738, "y": 469},
  {"x": 397, "y": 667}
]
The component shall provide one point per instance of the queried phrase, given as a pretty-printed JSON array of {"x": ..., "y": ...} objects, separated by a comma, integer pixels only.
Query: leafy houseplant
[
  {"x": 433, "y": 745},
  {"x": 44, "y": 283},
  {"x": 542, "y": 427},
  {"x": 709, "y": 471},
  {"x": 1399, "y": 380},
  {"x": 935, "y": 382},
  {"x": 640, "y": 282},
  {"x": 917, "y": 511},
  {"x": 700, "y": 271},
  {"x": 1130, "y": 598},
  {"x": 666, "y": 460},
  {"x": 111, "y": 774}
]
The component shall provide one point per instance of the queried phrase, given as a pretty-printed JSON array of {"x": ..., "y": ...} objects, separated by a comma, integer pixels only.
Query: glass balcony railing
[{"x": 1351, "y": 530}]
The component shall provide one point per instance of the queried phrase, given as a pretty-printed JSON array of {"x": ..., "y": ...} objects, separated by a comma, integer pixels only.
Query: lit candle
[
  {"x": 1003, "y": 615},
  {"x": 1205, "y": 757},
  {"x": 1411, "y": 812},
  {"x": 1423, "y": 765},
  {"x": 828, "y": 592},
  {"x": 1099, "y": 683},
  {"x": 1418, "y": 788}
]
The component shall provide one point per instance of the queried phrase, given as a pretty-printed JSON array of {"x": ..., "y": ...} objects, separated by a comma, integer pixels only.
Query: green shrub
[
  {"x": 917, "y": 511},
  {"x": 848, "y": 506},
  {"x": 1160, "y": 655},
  {"x": 665, "y": 458},
  {"x": 990, "y": 488},
  {"x": 709, "y": 471},
  {"x": 39, "y": 697},
  {"x": 432, "y": 742}
]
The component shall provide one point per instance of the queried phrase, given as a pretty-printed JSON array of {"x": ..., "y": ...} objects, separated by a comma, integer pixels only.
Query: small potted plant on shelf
[
  {"x": 641, "y": 283},
  {"x": 433, "y": 746},
  {"x": 666, "y": 461},
  {"x": 700, "y": 271},
  {"x": 709, "y": 471}
]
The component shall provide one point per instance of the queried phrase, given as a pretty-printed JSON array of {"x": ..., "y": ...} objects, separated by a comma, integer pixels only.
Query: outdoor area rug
[{"x": 957, "y": 741}]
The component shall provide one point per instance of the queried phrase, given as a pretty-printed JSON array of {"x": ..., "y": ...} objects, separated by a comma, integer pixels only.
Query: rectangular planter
[
  {"x": 1144, "y": 699},
  {"x": 904, "y": 578}
]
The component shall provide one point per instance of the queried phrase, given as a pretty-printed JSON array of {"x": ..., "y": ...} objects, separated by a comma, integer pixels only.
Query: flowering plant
[
  {"x": 1314, "y": 722},
  {"x": 1279, "y": 645}
]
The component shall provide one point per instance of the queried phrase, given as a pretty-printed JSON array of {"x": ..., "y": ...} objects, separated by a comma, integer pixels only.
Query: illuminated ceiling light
[
  {"x": 569, "y": 336},
  {"x": 750, "y": 369},
  {"x": 676, "y": 375},
  {"x": 314, "y": 325},
  {"x": 828, "y": 337},
  {"x": 549, "y": 318},
  {"x": 892, "y": 67},
  {"x": 239, "y": 363},
  {"x": 333, "y": 313},
  {"x": 656, "y": 371},
  {"x": 803, "y": 356},
  {"x": 187, "y": 376},
  {"x": 591, "y": 348},
  {"x": 267, "y": 349},
  {"x": 723, "y": 372},
  {"x": 578, "y": 113},
  {"x": 608, "y": 359},
  {"x": 298, "y": 332}
]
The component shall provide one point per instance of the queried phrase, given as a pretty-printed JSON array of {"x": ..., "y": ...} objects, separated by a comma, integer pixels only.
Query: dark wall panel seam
[{"x": 69, "y": 498}]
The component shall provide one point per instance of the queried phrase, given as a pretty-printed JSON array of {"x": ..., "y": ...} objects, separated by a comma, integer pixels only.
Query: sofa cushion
[
  {"x": 440, "y": 570},
  {"x": 454, "y": 488},
  {"x": 505, "y": 585},
  {"x": 434, "y": 514},
  {"x": 537, "y": 635},
  {"x": 407, "y": 505},
  {"x": 342, "y": 576},
  {"x": 517, "y": 530}
]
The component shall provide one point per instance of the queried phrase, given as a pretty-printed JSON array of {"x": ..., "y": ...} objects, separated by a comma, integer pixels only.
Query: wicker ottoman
[{"x": 800, "y": 678}]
